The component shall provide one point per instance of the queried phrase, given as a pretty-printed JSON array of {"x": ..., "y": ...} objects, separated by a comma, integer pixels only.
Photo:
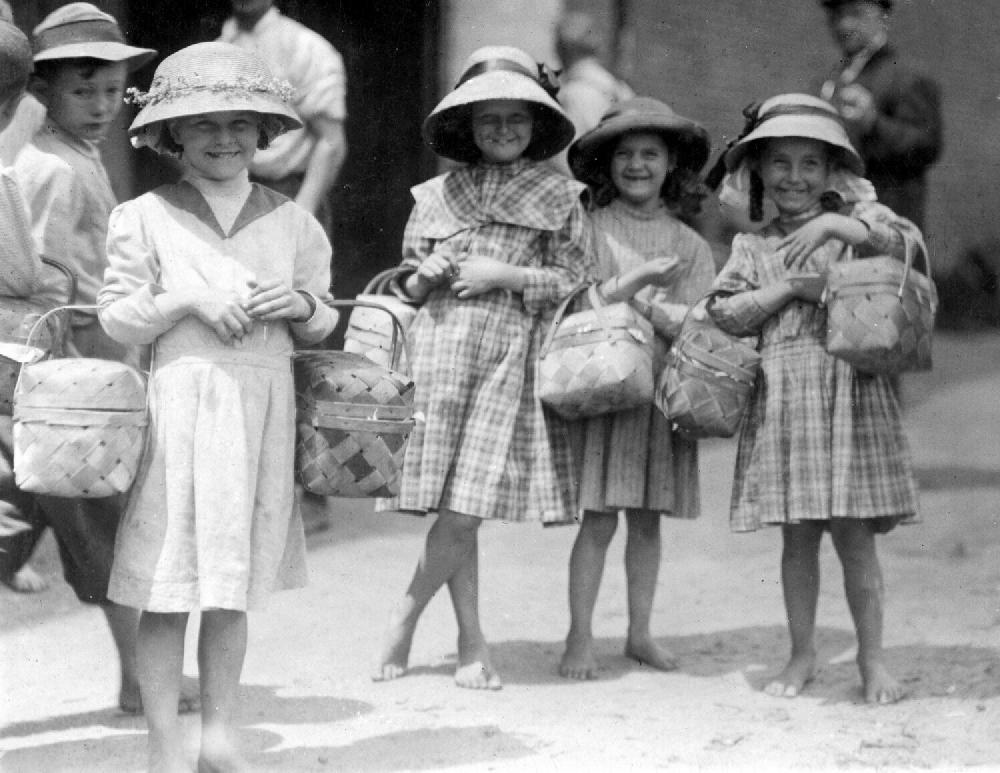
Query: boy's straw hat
[
  {"x": 498, "y": 72},
  {"x": 798, "y": 115},
  {"x": 211, "y": 78},
  {"x": 82, "y": 31},
  {"x": 588, "y": 158}
]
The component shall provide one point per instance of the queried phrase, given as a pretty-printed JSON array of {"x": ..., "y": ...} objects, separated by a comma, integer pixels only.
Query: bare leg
[
  {"x": 800, "y": 583},
  {"x": 855, "y": 545},
  {"x": 642, "y": 566},
  {"x": 159, "y": 661},
  {"x": 124, "y": 625},
  {"x": 586, "y": 568},
  {"x": 448, "y": 542},
  {"x": 475, "y": 669},
  {"x": 222, "y": 645}
]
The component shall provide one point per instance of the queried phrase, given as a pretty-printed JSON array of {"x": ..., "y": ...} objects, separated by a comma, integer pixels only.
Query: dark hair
[
  {"x": 682, "y": 191},
  {"x": 166, "y": 143},
  {"x": 85, "y": 67}
]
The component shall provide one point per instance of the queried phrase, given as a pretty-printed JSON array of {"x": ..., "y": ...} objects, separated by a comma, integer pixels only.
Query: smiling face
[
  {"x": 217, "y": 146},
  {"x": 640, "y": 163},
  {"x": 795, "y": 172},
  {"x": 84, "y": 100},
  {"x": 857, "y": 24},
  {"x": 501, "y": 129}
]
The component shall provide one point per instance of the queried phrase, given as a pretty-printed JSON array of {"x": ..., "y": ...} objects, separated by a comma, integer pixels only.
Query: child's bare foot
[
  {"x": 26, "y": 580},
  {"x": 395, "y": 654},
  {"x": 879, "y": 685},
  {"x": 647, "y": 652},
  {"x": 578, "y": 661},
  {"x": 166, "y": 757},
  {"x": 130, "y": 701},
  {"x": 219, "y": 754},
  {"x": 796, "y": 675},
  {"x": 475, "y": 670}
]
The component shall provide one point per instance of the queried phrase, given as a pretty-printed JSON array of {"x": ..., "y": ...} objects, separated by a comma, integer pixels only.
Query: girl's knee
[
  {"x": 644, "y": 525},
  {"x": 459, "y": 525},
  {"x": 599, "y": 527}
]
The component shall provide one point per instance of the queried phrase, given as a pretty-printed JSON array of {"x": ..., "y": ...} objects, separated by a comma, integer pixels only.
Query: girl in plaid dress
[
  {"x": 822, "y": 447},
  {"x": 642, "y": 163},
  {"x": 489, "y": 250}
]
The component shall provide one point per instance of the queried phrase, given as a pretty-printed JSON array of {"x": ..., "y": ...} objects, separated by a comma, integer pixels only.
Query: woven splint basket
[
  {"x": 354, "y": 418},
  {"x": 706, "y": 384},
  {"x": 595, "y": 361},
  {"x": 880, "y": 313},
  {"x": 370, "y": 330},
  {"x": 79, "y": 427}
]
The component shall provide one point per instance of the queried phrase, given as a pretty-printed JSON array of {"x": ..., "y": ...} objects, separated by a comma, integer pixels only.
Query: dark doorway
[{"x": 389, "y": 53}]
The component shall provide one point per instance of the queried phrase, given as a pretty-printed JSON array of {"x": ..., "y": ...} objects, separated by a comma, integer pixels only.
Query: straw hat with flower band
[
  {"x": 791, "y": 115},
  {"x": 503, "y": 73},
  {"x": 588, "y": 156},
  {"x": 210, "y": 78},
  {"x": 83, "y": 31}
]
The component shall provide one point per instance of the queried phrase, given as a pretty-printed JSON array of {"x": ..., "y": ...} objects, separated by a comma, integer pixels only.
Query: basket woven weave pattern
[{"x": 354, "y": 462}]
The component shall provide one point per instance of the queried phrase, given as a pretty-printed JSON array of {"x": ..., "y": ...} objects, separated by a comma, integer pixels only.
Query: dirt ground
[{"x": 308, "y": 704}]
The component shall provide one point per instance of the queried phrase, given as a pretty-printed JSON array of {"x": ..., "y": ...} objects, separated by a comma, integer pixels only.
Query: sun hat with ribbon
[
  {"x": 211, "y": 78},
  {"x": 83, "y": 31},
  {"x": 499, "y": 72},
  {"x": 588, "y": 155},
  {"x": 796, "y": 115},
  {"x": 792, "y": 115}
]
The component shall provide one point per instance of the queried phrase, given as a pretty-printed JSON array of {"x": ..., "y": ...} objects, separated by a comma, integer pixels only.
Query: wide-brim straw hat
[
  {"x": 83, "y": 31},
  {"x": 798, "y": 115},
  {"x": 588, "y": 156},
  {"x": 211, "y": 78},
  {"x": 497, "y": 72}
]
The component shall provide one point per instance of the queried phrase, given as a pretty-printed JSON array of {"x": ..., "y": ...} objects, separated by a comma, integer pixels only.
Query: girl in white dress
[{"x": 222, "y": 277}]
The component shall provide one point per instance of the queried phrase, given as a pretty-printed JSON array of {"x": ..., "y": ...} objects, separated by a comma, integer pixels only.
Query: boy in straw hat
[
  {"x": 224, "y": 278},
  {"x": 80, "y": 63},
  {"x": 822, "y": 446},
  {"x": 489, "y": 250}
]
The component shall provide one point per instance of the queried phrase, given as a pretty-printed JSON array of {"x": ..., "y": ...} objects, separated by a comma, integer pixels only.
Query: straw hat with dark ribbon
[
  {"x": 588, "y": 155},
  {"x": 797, "y": 115},
  {"x": 83, "y": 31},
  {"x": 211, "y": 78},
  {"x": 505, "y": 73}
]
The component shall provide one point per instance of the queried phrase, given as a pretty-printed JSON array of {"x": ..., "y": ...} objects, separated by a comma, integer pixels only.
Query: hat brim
[
  {"x": 146, "y": 128},
  {"x": 108, "y": 51},
  {"x": 448, "y": 129},
  {"x": 807, "y": 127},
  {"x": 588, "y": 155}
]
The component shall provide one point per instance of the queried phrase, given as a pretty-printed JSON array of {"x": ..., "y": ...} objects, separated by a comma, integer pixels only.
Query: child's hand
[
  {"x": 803, "y": 241},
  {"x": 223, "y": 312},
  {"x": 272, "y": 299},
  {"x": 478, "y": 275},
  {"x": 662, "y": 272},
  {"x": 807, "y": 287}
]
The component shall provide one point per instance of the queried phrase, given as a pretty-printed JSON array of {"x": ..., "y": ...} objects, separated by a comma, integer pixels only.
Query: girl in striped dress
[
  {"x": 489, "y": 250},
  {"x": 641, "y": 163},
  {"x": 822, "y": 446}
]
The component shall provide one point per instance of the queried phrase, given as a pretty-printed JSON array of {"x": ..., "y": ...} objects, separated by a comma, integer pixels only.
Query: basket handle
[
  {"x": 379, "y": 283},
  {"x": 399, "y": 343},
  {"x": 558, "y": 317},
  {"x": 57, "y": 310}
]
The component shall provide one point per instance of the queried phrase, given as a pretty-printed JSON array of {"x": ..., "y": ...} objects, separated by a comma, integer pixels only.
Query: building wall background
[{"x": 710, "y": 58}]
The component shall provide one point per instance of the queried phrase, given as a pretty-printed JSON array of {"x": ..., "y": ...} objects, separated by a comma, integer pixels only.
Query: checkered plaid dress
[
  {"x": 487, "y": 447},
  {"x": 820, "y": 440}
]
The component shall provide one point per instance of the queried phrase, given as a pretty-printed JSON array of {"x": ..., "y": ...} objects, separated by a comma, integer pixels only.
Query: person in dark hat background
[{"x": 892, "y": 110}]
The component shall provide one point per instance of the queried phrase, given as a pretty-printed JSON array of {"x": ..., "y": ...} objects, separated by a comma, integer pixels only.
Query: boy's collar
[{"x": 86, "y": 147}]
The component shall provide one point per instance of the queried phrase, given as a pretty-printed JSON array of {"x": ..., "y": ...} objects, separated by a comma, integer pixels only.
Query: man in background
[
  {"x": 892, "y": 110},
  {"x": 302, "y": 164}
]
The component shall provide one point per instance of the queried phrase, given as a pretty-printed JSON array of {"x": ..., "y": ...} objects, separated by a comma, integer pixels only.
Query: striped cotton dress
[
  {"x": 632, "y": 459},
  {"x": 820, "y": 440},
  {"x": 487, "y": 447}
]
